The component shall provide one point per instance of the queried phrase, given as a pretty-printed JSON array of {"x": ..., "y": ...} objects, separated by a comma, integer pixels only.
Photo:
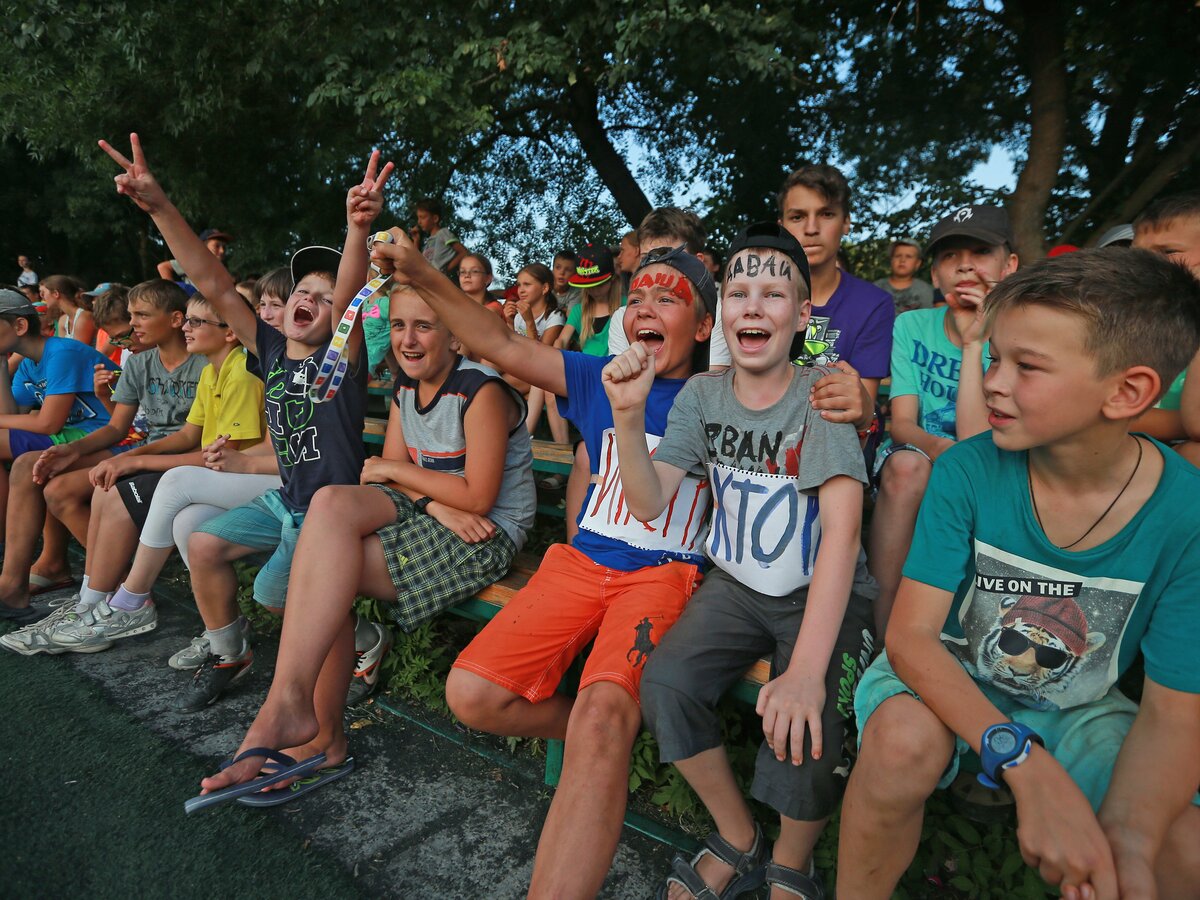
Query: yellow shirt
[{"x": 229, "y": 402}]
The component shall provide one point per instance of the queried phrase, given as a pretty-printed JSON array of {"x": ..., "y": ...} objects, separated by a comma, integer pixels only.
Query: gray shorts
[{"x": 726, "y": 628}]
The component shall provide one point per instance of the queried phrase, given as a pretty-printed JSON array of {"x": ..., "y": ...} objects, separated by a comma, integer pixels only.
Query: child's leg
[
  {"x": 25, "y": 515},
  {"x": 904, "y": 751},
  {"x": 6, "y": 455},
  {"x": 558, "y": 425},
  {"x": 52, "y": 562},
  {"x": 69, "y": 499},
  {"x": 112, "y": 538},
  {"x": 902, "y": 485}
]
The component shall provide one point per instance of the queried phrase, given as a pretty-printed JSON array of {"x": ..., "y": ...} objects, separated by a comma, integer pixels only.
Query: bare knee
[
  {"x": 475, "y": 701},
  {"x": 904, "y": 476},
  {"x": 604, "y": 715},
  {"x": 207, "y": 549},
  {"x": 905, "y": 749},
  {"x": 336, "y": 501}
]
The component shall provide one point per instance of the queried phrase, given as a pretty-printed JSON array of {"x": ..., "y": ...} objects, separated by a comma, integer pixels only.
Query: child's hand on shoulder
[
  {"x": 136, "y": 182},
  {"x": 364, "y": 201},
  {"x": 471, "y": 528},
  {"x": 789, "y": 704},
  {"x": 627, "y": 378},
  {"x": 840, "y": 396}
]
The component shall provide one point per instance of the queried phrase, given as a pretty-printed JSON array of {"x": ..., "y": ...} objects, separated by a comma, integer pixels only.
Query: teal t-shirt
[
  {"x": 926, "y": 364},
  {"x": 1056, "y": 629},
  {"x": 377, "y": 330},
  {"x": 597, "y": 344},
  {"x": 1170, "y": 399}
]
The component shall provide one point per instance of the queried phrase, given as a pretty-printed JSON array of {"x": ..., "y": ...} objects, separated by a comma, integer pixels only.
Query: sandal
[
  {"x": 748, "y": 869},
  {"x": 806, "y": 885}
]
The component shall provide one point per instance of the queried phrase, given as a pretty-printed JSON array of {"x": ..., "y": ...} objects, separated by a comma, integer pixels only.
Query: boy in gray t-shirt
[
  {"x": 442, "y": 248},
  {"x": 787, "y": 489}
]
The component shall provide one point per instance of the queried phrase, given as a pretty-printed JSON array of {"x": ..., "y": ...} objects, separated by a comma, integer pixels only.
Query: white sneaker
[
  {"x": 96, "y": 629},
  {"x": 194, "y": 654},
  {"x": 367, "y": 667},
  {"x": 35, "y": 638}
]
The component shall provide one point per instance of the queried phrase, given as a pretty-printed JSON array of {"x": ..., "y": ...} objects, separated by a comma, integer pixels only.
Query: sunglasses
[
  {"x": 1013, "y": 643},
  {"x": 196, "y": 322}
]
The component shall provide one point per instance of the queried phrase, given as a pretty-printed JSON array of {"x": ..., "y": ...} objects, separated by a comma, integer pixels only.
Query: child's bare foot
[
  {"x": 335, "y": 755},
  {"x": 279, "y": 724}
]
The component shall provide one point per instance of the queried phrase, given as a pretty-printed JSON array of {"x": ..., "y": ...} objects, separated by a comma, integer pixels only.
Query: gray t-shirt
[
  {"x": 165, "y": 397},
  {"x": 765, "y": 466},
  {"x": 918, "y": 295},
  {"x": 438, "y": 250}
]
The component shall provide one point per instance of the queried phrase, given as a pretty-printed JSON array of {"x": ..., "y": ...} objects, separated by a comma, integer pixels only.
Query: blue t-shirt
[
  {"x": 315, "y": 443},
  {"x": 1056, "y": 629},
  {"x": 608, "y": 533},
  {"x": 926, "y": 364},
  {"x": 67, "y": 366},
  {"x": 855, "y": 325}
]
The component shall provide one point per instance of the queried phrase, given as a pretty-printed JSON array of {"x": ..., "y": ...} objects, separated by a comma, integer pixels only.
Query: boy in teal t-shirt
[
  {"x": 938, "y": 361},
  {"x": 1046, "y": 555}
]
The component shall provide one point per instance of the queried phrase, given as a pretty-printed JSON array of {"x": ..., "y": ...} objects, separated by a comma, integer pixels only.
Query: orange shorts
[{"x": 530, "y": 643}]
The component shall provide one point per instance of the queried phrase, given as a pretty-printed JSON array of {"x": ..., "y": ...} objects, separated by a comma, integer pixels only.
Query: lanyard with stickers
[{"x": 335, "y": 364}]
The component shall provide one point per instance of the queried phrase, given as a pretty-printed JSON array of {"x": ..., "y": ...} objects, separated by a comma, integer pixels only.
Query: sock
[
  {"x": 228, "y": 641},
  {"x": 366, "y": 635},
  {"x": 127, "y": 600},
  {"x": 88, "y": 596}
]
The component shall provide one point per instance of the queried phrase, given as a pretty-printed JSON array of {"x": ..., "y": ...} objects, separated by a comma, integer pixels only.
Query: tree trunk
[
  {"x": 610, "y": 166},
  {"x": 1040, "y": 35}
]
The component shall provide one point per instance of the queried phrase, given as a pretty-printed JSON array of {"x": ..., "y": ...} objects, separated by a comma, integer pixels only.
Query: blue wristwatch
[{"x": 1002, "y": 747}]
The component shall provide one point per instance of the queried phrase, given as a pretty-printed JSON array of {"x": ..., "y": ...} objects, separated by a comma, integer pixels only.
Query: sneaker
[
  {"x": 35, "y": 638},
  {"x": 215, "y": 675},
  {"x": 97, "y": 628},
  {"x": 367, "y": 667},
  {"x": 194, "y": 654}
]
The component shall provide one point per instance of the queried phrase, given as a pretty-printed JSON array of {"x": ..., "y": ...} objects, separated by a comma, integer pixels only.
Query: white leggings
[{"x": 188, "y": 496}]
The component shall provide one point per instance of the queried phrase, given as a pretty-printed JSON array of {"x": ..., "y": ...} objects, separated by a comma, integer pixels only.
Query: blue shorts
[
  {"x": 26, "y": 441},
  {"x": 1084, "y": 739},
  {"x": 264, "y": 523}
]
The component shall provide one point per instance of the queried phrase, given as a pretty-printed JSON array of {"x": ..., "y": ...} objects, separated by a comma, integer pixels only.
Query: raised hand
[
  {"x": 136, "y": 182},
  {"x": 627, "y": 378},
  {"x": 364, "y": 201},
  {"x": 400, "y": 258}
]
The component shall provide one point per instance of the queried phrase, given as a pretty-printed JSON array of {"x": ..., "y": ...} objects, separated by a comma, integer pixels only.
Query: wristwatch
[
  {"x": 1004, "y": 746},
  {"x": 422, "y": 503}
]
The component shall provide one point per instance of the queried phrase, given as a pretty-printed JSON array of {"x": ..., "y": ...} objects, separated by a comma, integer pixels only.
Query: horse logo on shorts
[{"x": 642, "y": 645}]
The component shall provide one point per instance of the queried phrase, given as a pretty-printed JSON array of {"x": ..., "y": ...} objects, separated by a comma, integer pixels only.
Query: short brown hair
[
  {"x": 1138, "y": 308},
  {"x": 111, "y": 306},
  {"x": 680, "y": 225},
  {"x": 277, "y": 283},
  {"x": 161, "y": 294},
  {"x": 1167, "y": 209},
  {"x": 827, "y": 181}
]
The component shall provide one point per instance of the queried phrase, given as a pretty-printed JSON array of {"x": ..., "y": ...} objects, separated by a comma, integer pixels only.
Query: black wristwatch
[{"x": 422, "y": 504}]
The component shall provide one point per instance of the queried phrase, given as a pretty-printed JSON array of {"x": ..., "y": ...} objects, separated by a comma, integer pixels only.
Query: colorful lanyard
[{"x": 334, "y": 366}]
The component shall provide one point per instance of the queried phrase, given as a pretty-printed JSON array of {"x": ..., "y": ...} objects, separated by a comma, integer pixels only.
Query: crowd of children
[{"x": 1032, "y": 528}]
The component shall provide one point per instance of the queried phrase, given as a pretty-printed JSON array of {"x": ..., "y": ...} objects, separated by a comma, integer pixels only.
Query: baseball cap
[
  {"x": 595, "y": 267},
  {"x": 215, "y": 234},
  {"x": 689, "y": 266},
  {"x": 773, "y": 236},
  {"x": 983, "y": 221},
  {"x": 14, "y": 304},
  {"x": 1118, "y": 234},
  {"x": 99, "y": 289},
  {"x": 314, "y": 259}
]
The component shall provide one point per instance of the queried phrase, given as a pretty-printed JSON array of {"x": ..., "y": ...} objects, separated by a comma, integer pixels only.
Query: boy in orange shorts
[{"x": 620, "y": 582}]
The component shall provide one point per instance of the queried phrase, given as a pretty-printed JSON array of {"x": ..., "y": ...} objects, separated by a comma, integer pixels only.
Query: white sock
[
  {"x": 227, "y": 641},
  {"x": 88, "y": 597},
  {"x": 128, "y": 600}
]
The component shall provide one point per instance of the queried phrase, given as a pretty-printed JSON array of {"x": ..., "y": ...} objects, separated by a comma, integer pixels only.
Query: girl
[
  {"x": 76, "y": 308},
  {"x": 535, "y": 315},
  {"x": 475, "y": 277},
  {"x": 272, "y": 291},
  {"x": 439, "y": 516}
]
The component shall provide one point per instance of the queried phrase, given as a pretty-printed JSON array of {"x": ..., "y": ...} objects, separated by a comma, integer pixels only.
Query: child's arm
[
  {"x": 102, "y": 382},
  {"x": 1059, "y": 834},
  {"x": 649, "y": 486},
  {"x": 364, "y": 202},
  {"x": 205, "y": 270},
  {"x": 906, "y": 428},
  {"x": 1163, "y": 424},
  {"x": 460, "y": 253},
  {"x": 50, "y": 419},
  {"x": 156, "y": 456},
  {"x": 844, "y": 396},
  {"x": 970, "y": 409},
  {"x": 61, "y": 457},
  {"x": 223, "y": 455},
  {"x": 1189, "y": 400},
  {"x": 796, "y": 698},
  {"x": 1152, "y": 784},
  {"x": 475, "y": 326},
  {"x": 85, "y": 328}
]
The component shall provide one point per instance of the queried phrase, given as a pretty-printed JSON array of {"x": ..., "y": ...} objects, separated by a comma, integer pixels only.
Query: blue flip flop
[
  {"x": 317, "y": 779},
  {"x": 288, "y": 768}
]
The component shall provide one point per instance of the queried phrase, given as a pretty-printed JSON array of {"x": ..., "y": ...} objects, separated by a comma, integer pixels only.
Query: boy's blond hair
[
  {"x": 163, "y": 295},
  {"x": 1137, "y": 307}
]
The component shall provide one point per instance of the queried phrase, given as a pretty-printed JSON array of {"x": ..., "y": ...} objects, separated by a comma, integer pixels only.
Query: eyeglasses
[
  {"x": 1013, "y": 643},
  {"x": 462, "y": 272},
  {"x": 195, "y": 322},
  {"x": 121, "y": 340}
]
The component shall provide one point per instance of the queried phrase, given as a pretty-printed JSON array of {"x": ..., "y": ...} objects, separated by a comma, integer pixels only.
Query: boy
[
  {"x": 54, "y": 374},
  {"x": 908, "y": 291},
  {"x": 443, "y": 250},
  {"x": 315, "y": 443},
  {"x": 1171, "y": 226},
  {"x": 619, "y": 582},
  {"x": 784, "y": 539},
  {"x": 159, "y": 384},
  {"x": 1047, "y": 553},
  {"x": 564, "y": 270},
  {"x": 229, "y": 402},
  {"x": 938, "y": 360}
]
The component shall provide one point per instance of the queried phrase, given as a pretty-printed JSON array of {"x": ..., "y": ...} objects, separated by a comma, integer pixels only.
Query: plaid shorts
[{"x": 432, "y": 568}]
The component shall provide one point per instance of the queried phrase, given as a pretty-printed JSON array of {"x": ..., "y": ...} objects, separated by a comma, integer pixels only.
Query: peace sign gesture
[
  {"x": 136, "y": 183},
  {"x": 364, "y": 201}
]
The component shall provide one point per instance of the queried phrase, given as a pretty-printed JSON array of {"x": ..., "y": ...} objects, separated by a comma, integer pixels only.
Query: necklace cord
[{"x": 1037, "y": 515}]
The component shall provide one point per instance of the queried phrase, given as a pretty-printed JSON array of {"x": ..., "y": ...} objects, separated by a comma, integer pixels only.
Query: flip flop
[
  {"x": 298, "y": 789},
  {"x": 24, "y": 615},
  {"x": 40, "y": 584},
  {"x": 289, "y": 768}
]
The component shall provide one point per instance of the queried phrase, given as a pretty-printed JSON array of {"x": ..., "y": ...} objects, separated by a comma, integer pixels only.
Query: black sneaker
[{"x": 215, "y": 674}]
